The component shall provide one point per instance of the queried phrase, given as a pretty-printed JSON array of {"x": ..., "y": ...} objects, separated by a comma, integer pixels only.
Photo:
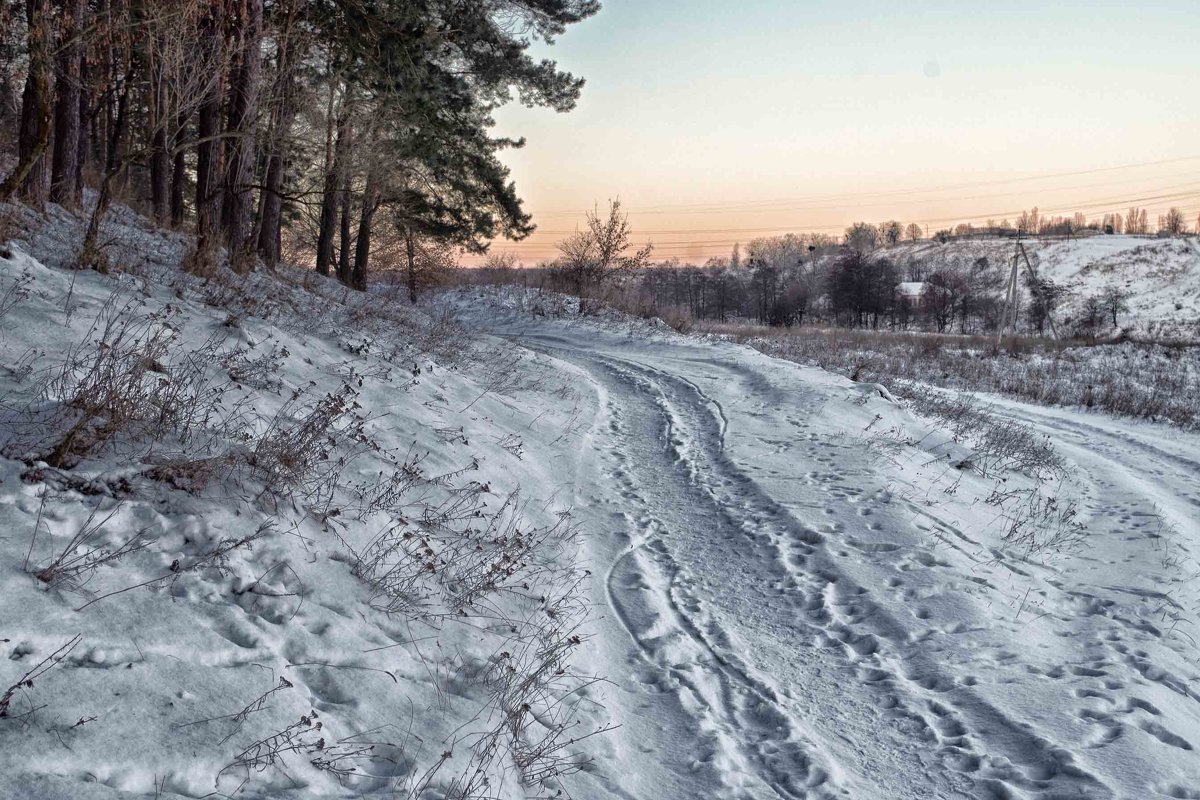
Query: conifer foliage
[{"x": 320, "y": 129}]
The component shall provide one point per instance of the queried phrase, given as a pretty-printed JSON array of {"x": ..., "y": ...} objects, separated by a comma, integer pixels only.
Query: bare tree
[
  {"x": 913, "y": 232},
  {"x": 1093, "y": 316},
  {"x": 1172, "y": 223},
  {"x": 862, "y": 236},
  {"x": 943, "y": 296},
  {"x": 597, "y": 254},
  {"x": 503, "y": 261},
  {"x": 1113, "y": 302},
  {"x": 1136, "y": 222},
  {"x": 891, "y": 231},
  {"x": 428, "y": 262}
]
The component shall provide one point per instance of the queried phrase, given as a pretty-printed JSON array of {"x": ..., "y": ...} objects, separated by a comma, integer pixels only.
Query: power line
[
  {"x": 774, "y": 228},
  {"x": 687, "y": 208},
  {"x": 696, "y": 248},
  {"x": 527, "y": 247}
]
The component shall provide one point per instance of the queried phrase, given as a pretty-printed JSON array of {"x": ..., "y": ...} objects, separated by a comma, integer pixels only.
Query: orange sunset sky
[{"x": 717, "y": 122}]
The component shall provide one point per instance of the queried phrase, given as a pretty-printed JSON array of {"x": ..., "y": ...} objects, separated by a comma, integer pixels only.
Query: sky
[{"x": 715, "y": 122}]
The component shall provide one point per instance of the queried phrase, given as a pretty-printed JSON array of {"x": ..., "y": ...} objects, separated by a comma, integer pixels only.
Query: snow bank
[{"x": 265, "y": 537}]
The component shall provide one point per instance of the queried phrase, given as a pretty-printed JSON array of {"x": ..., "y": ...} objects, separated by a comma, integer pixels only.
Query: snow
[
  {"x": 810, "y": 600},
  {"x": 1160, "y": 276},
  {"x": 796, "y": 587},
  {"x": 163, "y": 694}
]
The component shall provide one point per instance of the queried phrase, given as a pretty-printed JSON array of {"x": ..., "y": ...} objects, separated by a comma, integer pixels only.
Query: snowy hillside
[
  {"x": 263, "y": 537},
  {"x": 262, "y": 540},
  {"x": 1160, "y": 276}
]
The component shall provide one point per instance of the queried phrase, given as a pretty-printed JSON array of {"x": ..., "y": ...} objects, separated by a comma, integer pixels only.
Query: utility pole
[{"x": 1011, "y": 297}]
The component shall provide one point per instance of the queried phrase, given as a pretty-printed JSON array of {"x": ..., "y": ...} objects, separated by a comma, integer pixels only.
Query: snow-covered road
[
  {"x": 796, "y": 606},
  {"x": 801, "y": 589}
]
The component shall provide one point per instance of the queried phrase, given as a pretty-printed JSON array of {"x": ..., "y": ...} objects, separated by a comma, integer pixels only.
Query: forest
[{"x": 350, "y": 135}]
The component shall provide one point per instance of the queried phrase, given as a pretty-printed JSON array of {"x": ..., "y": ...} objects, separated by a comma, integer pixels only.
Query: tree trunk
[
  {"x": 329, "y": 195},
  {"x": 410, "y": 248},
  {"x": 160, "y": 176},
  {"x": 281, "y": 115},
  {"x": 158, "y": 119},
  {"x": 91, "y": 255},
  {"x": 208, "y": 147},
  {"x": 362, "y": 246},
  {"x": 32, "y": 174},
  {"x": 85, "y": 105},
  {"x": 160, "y": 157},
  {"x": 343, "y": 270},
  {"x": 178, "y": 169},
  {"x": 243, "y": 110},
  {"x": 271, "y": 211},
  {"x": 64, "y": 187},
  {"x": 282, "y": 112},
  {"x": 328, "y": 223}
]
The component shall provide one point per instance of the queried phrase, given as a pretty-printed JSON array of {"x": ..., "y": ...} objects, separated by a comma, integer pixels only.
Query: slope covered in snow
[
  {"x": 262, "y": 539},
  {"x": 1161, "y": 277}
]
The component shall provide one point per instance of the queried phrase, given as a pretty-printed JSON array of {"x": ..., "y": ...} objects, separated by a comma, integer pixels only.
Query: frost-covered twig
[{"x": 26, "y": 681}]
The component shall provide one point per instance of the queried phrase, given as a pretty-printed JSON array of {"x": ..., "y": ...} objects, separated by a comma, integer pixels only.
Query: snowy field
[{"x": 338, "y": 547}]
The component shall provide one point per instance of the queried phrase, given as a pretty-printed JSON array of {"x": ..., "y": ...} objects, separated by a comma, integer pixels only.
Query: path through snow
[{"x": 796, "y": 608}]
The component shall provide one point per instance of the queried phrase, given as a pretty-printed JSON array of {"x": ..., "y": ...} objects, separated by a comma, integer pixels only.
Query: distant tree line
[
  {"x": 333, "y": 129},
  {"x": 795, "y": 280},
  {"x": 858, "y": 280},
  {"x": 1134, "y": 221}
]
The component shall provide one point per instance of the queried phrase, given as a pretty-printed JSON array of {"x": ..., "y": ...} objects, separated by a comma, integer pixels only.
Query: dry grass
[
  {"x": 125, "y": 381},
  {"x": 999, "y": 445},
  {"x": 14, "y": 292},
  {"x": 1036, "y": 522},
  {"x": 1147, "y": 381},
  {"x": 90, "y": 548}
]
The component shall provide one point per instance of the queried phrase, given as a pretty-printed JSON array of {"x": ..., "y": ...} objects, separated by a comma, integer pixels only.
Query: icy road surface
[{"x": 803, "y": 598}]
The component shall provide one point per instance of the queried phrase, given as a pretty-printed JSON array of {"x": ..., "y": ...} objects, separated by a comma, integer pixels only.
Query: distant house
[
  {"x": 917, "y": 294},
  {"x": 912, "y": 293}
]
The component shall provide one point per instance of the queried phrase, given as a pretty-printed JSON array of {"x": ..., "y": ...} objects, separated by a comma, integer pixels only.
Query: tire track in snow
[
  {"x": 1043, "y": 765},
  {"x": 726, "y": 701},
  {"x": 1140, "y": 479},
  {"x": 768, "y": 740},
  {"x": 836, "y": 611}
]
